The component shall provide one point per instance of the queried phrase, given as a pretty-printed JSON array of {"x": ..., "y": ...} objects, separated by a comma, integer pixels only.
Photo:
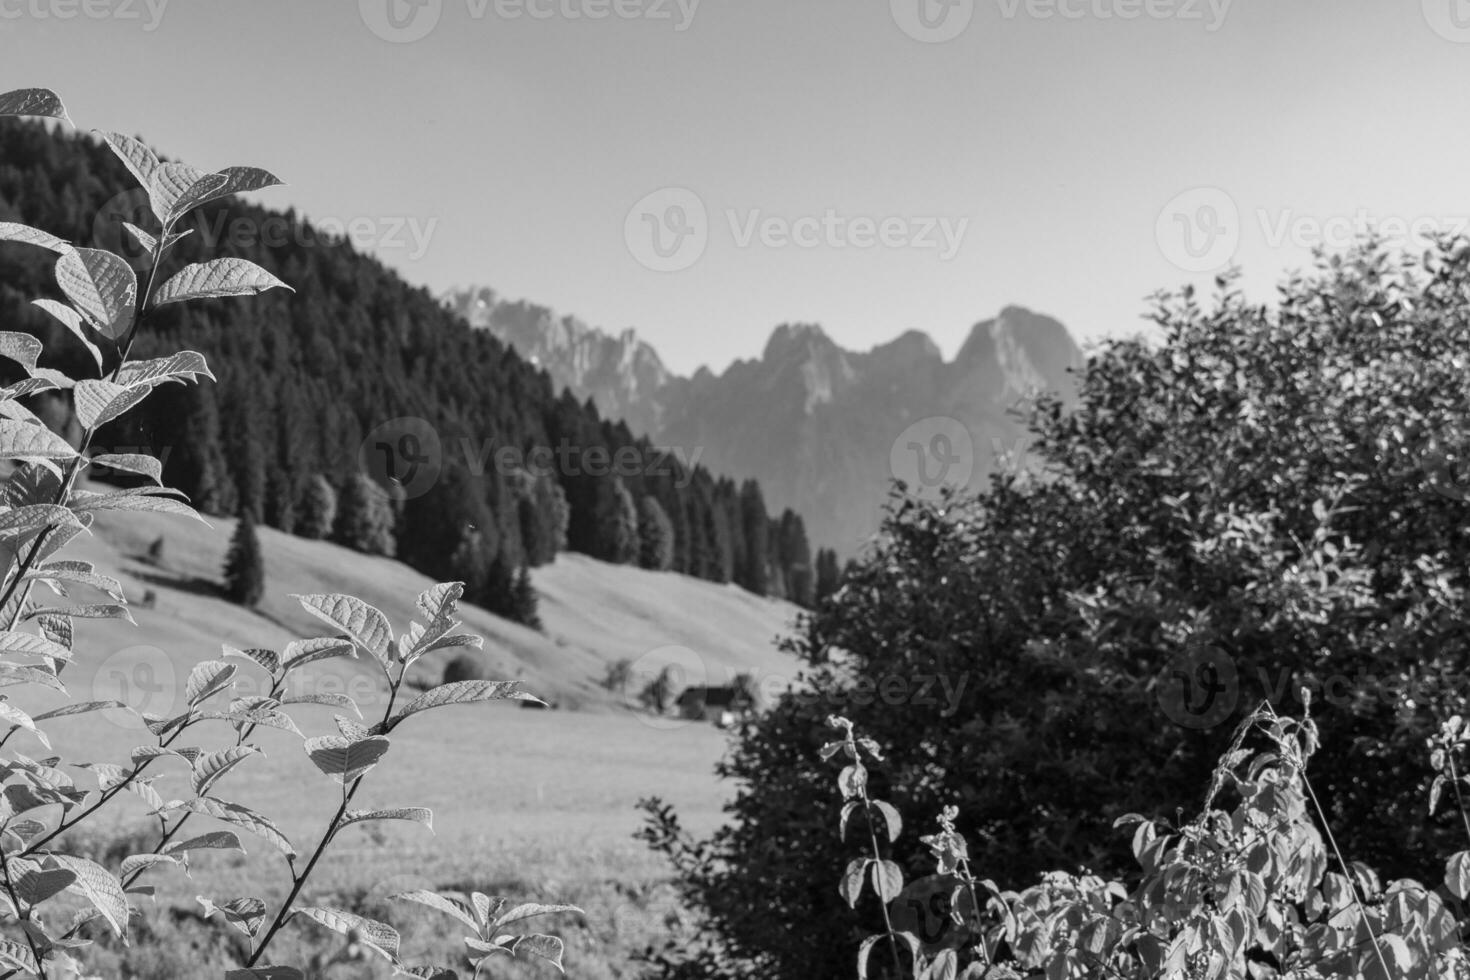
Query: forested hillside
[{"x": 515, "y": 471}]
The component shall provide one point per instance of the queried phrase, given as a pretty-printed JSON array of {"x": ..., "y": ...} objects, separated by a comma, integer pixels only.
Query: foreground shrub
[
  {"x": 1262, "y": 500},
  {"x": 42, "y": 509}
]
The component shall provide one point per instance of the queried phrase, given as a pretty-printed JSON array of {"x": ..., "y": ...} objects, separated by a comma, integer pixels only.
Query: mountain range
[{"x": 824, "y": 429}]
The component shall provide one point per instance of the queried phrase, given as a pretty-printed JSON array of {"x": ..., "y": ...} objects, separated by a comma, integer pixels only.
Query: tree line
[{"x": 309, "y": 376}]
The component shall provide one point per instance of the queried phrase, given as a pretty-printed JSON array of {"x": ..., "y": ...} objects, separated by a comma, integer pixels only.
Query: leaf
[
  {"x": 144, "y": 499},
  {"x": 344, "y": 760},
  {"x": 102, "y": 287},
  {"x": 415, "y": 814},
  {"x": 268, "y": 717},
  {"x": 324, "y": 697},
  {"x": 244, "y": 818},
  {"x": 79, "y": 708},
  {"x": 16, "y": 644},
  {"x": 33, "y": 102},
  {"x": 245, "y": 914},
  {"x": 26, "y": 235},
  {"x": 219, "y": 840},
  {"x": 268, "y": 660},
  {"x": 73, "y": 321},
  {"x": 440, "y": 601},
  {"x": 887, "y": 880},
  {"x": 210, "y": 767},
  {"x": 299, "y": 653},
  {"x": 265, "y": 973},
  {"x": 142, "y": 862},
  {"x": 138, "y": 463},
  {"x": 102, "y": 610},
  {"x": 23, "y": 521},
  {"x": 99, "y": 887},
  {"x": 21, "y": 348},
  {"x": 365, "y": 624},
  {"x": 19, "y": 719},
  {"x": 377, "y": 935},
  {"x": 25, "y": 440},
  {"x": 851, "y": 885},
  {"x": 238, "y": 180},
  {"x": 891, "y": 818},
  {"x": 1457, "y": 874},
  {"x": 548, "y": 948},
  {"x": 463, "y": 692},
  {"x": 208, "y": 679},
  {"x": 172, "y": 184},
  {"x": 217, "y": 278},
  {"x": 35, "y": 886},
  {"x": 439, "y": 903},
  {"x": 99, "y": 402},
  {"x": 139, "y": 159},
  {"x": 186, "y": 365}
]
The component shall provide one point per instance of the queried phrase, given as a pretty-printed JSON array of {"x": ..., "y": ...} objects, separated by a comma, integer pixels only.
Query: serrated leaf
[
  {"x": 325, "y": 698},
  {"x": 138, "y": 863},
  {"x": 138, "y": 463},
  {"x": 24, "y": 440},
  {"x": 102, "y": 610},
  {"x": 439, "y": 903},
  {"x": 208, "y": 679},
  {"x": 548, "y": 948},
  {"x": 217, "y": 278},
  {"x": 173, "y": 183},
  {"x": 440, "y": 601},
  {"x": 245, "y": 914},
  {"x": 244, "y": 818},
  {"x": 16, "y": 718},
  {"x": 73, "y": 322},
  {"x": 58, "y": 572},
  {"x": 268, "y": 660},
  {"x": 365, "y": 624},
  {"x": 99, "y": 402},
  {"x": 21, "y": 348},
  {"x": 414, "y": 814},
  {"x": 102, "y": 287},
  {"x": 37, "y": 885},
  {"x": 98, "y": 886},
  {"x": 33, "y": 102},
  {"x": 219, "y": 840},
  {"x": 80, "y": 708},
  {"x": 208, "y": 768},
  {"x": 22, "y": 522},
  {"x": 463, "y": 692},
  {"x": 379, "y": 936},
  {"x": 530, "y": 911},
  {"x": 237, "y": 180},
  {"x": 17, "y": 644},
  {"x": 184, "y": 366},
  {"x": 299, "y": 653},
  {"x": 144, "y": 499},
  {"x": 26, "y": 235},
  {"x": 135, "y": 155},
  {"x": 345, "y": 760}
]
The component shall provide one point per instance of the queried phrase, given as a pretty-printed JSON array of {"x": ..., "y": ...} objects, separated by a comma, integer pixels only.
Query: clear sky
[{"x": 827, "y": 144}]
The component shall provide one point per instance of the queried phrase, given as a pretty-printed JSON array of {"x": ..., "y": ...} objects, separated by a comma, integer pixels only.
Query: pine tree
[
  {"x": 754, "y": 530},
  {"x": 318, "y": 510},
  {"x": 365, "y": 517},
  {"x": 245, "y": 565},
  {"x": 655, "y": 536},
  {"x": 617, "y": 523},
  {"x": 829, "y": 575},
  {"x": 525, "y": 601}
]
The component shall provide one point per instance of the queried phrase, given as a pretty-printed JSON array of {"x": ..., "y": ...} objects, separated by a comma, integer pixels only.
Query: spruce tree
[
  {"x": 245, "y": 565},
  {"x": 365, "y": 517},
  {"x": 655, "y": 536},
  {"x": 318, "y": 513}
]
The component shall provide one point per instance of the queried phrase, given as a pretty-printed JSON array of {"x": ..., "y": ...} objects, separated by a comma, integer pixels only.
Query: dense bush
[{"x": 1264, "y": 498}]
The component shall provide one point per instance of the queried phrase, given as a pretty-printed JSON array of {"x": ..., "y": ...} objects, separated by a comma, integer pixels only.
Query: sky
[{"x": 704, "y": 170}]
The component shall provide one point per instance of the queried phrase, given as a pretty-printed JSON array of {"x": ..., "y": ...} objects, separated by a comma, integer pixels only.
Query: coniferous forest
[{"x": 318, "y": 381}]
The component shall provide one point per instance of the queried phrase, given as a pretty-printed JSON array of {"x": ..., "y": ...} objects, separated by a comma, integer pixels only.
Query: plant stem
[{"x": 15, "y": 900}]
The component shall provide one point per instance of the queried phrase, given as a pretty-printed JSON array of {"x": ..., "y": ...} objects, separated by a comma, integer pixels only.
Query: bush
[
  {"x": 466, "y": 667},
  {"x": 245, "y": 565},
  {"x": 42, "y": 877},
  {"x": 1260, "y": 501}
]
